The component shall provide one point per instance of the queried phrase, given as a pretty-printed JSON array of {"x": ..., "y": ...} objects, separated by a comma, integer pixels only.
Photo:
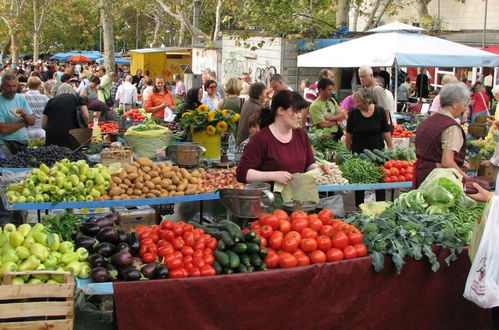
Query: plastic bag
[
  {"x": 301, "y": 188},
  {"x": 435, "y": 193},
  {"x": 482, "y": 284},
  {"x": 147, "y": 146},
  {"x": 91, "y": 316},
  {"x": 436, "y": 174},
  {"x": 334, "y": 203},
  {"x": 153, "y": 131},
  {"x": 438, "y": 195}
]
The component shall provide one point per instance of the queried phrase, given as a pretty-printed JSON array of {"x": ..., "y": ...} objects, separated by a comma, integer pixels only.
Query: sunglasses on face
[{"x": 212, "y": 87}]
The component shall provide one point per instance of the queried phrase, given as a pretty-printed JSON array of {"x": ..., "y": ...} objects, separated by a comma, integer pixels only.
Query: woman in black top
[
  {"x": 193, "y": 99},
  {"x": 367, "y": 128}
]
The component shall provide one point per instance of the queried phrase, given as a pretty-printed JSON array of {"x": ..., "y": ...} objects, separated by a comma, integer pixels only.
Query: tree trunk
[
  {"x": 356, "y": 16},
  {"x": 217, "y": 19},
  {"x": 157, "y": 29},
  {"x": 5, "y": 48},
  {"x": 372, "y": 15},
  {"x": 380, "y": 16},
  {"x": 36, "y": 45},
  {"x": 14, "y": 46},
  {"x": 106, "y": 19},
  {"x": 342, "y": 18},
  {"x": 181, "y": 35},
  {"x": 422, "y": 7}
]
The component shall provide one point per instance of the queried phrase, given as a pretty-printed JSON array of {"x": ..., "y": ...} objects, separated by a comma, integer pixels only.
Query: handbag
[
  {"x": 79, "y": 115},
  {"x": 485, "y": 103},
  {"x": 108, "y": 99}
]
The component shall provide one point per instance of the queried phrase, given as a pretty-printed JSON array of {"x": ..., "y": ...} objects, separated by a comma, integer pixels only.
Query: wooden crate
[{"x": 37, "y": 306}]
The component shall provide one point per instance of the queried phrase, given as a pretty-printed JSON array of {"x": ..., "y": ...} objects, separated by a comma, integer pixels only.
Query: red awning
[{"x": 491, "y": 49}]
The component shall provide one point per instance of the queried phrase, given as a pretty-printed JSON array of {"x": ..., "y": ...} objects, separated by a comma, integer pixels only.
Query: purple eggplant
[
  {"x": 89, "y": 229},
  {"x": 149, "y": 269},
  {"x": 113, "y": 272},
  {"x": 105, "y": 249},
  {"x": 100, "y": 274},
  {"x": 122, "y": 258},
  {"x": 161, "y": 272},
  {"x": 129, "y": 273},
  {"x": 85, "y": 242},
  {"x": 122, "y": 235},
  {"x": 108, "y": 234},
  {"x": 122, "y": 246},
  {"x": 108, "y": 220},
  {"x": 134, "y": 243},
  {"x": 96, "y": 260}
]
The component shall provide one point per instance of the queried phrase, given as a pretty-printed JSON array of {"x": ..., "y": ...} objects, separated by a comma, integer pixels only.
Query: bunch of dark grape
[{"x": 34, "y": 157}]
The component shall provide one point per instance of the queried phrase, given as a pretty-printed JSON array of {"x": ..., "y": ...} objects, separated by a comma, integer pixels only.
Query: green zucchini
[
  {"x": 228, "y": 270},
  {"x": 221, "y": 244},
  {"x": 263, "y": 266},
  {"x": 245, "y": 259},
  {"x": 239, "y": 248},
  {"x": 381, "y": 154},
  {"x": 379, "y": 160},
  {"x": 252, "y": 248},
  {"x": 241, "y": 269},
  {"x": 218, "y": 267},
  {"x": 250, "y": 268},
  {"x": 250, "y": 236},
  {"x": 233, "y": 229},
  {"x": 263, "y": 252},
  {"x": 213, "y": 232},
  {"x": 256, "y": 261},
  {"x": 370, "y": 154},
  {"x": 234, "y": 260},
  {"x": 225, "y": 236},
  {"x": 364, "y": 157},
  {"x": 221, "y": 257},
  {"x": 257, "y": 240}
]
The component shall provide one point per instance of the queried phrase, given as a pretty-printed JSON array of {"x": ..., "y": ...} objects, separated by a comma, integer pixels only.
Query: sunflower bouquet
[{"x": 213, "y": 122}]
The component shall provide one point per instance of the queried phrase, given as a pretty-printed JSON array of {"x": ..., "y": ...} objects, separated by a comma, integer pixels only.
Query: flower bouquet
[{"x": 212, "y": 122}]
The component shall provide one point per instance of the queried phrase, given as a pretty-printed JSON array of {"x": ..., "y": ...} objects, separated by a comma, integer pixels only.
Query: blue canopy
[
  {"x": 117, "y": 60},
  {"x": 93, "y": 55}
]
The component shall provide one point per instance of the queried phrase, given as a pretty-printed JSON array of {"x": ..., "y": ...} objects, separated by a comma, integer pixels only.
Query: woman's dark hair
[
  {"x": 94, "y": 79},
  {"x": 284, "y": 99},
  {"x": 191, "y": 101},
  {"x": 208, "y": 83},
  {"x": 256, "y": 90},
  {"x": 154, "y": 88}
]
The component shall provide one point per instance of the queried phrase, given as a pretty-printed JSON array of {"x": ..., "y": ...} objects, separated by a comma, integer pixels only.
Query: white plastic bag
[{"x": 482, "y": 284}]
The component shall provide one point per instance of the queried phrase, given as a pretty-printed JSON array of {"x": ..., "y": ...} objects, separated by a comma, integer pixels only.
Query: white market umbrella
[{"x": 396, "y": 26}]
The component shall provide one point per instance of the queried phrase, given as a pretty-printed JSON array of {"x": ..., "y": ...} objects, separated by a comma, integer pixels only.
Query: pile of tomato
[
  {"x": 301, "y": 239},
  {"x": 400, "y": 132},
  {"x": 398, "y": 171},
  {"x": 106, "y": 127},
  {"x": 185, "y": 250},
  {"x": 136, "y": 114}
]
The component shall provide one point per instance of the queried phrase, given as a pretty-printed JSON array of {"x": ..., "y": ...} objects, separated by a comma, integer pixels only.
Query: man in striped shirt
[{"x": 37, "y": 102}]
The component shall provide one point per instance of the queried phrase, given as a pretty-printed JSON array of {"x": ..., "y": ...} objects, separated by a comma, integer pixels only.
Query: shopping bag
[{"x": 482, "y": 284}]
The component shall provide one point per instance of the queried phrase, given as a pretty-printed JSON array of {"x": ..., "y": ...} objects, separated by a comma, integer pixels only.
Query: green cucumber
[
  {"x": 379, "y": 160},
  {"x": 250, "y": 268},
  {"x": 195, "y": 224},
  {"x": 256, "y": 261},
  {"x": 245, "y": 259},
  {"x": 257, "y": 240},
  {"x": 234, "y": 260},
  {"x": 221, "y": 244},
  {"x": 252, "y": 248},
  {"x": 381, "y": 154},
  {"x": 218, "y": 267},
  {"x": 225, "y": 236},
  {"x": 250, "y": 236},
  {"x": 364, "y": 157},
  {"x": 263, "y": 252},
  {"x": 241, "y": 269},
  {"x": 228, "y": 270},
  {"x": 262, "y": 267},
  {"x": 239, "y": 248},
  {"x": 233, "y": 229},
  {"x": 369, "y": 154},
  {"x": 221, "y": 257},
  {"x": 213, "y": 232}
]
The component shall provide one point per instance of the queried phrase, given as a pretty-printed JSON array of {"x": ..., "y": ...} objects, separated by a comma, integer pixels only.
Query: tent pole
[{"x": 395, "y": 85}]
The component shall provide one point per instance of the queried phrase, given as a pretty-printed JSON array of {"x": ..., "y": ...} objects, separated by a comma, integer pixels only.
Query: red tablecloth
[{"x": 342, "y": 295}]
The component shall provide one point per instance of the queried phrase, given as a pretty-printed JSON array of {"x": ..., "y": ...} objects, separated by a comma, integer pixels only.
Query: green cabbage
[{"x": 452, "y": 187}]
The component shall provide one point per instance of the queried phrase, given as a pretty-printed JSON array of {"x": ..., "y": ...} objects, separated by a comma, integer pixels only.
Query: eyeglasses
[{"x": 212, "y": 87}]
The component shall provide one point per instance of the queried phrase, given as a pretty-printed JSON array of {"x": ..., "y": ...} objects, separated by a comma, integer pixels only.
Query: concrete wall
[{"x": 456, "y": 15}]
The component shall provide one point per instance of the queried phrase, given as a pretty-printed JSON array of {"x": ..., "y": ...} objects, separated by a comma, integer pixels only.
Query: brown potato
[
  {"x": 193, "y": 180},
  {"x": 175, "y": 180},
  {"x": 167, "y": 174},
  {"x": 172, "y": 187},
  {"x": 172, "y": 193},
  {"x": 106, "y": 197},
  {"x": 123, "y": 186},
  {"x": 124, "y": 196},
  {"x": 144, "y": 161},
  {"x": 149, "y": 184},
  {"x": 181, "y": 187},
  {"x": 147, "y": 177},
  {"x": 115, "y": 191},
  {"x": 123, "y": 174},
  {"x": 190, "y": 191},
  {"x": 155, "y": 192},
  {"x": 150, "y": 195},
  {"x": 145, "y": 190},
  {"x": 179, "y": 193},
  {"x": 156, "y": 180},
  {"x": 156, "y": 168},
  {"x": 132, "y": 176},
  {"x": 139, "y": 185},
  {"x": 127, "y": 182},
  {"x": 185, "y": 173},
  {"x": 146, "y": 169},
  {"x": 164, "y": 194},
  {"x": 139, "y": 179},
  {"x": 153, "y": 174},
  {"x": 116, "y": 179},
  {"x": 135, "y": 164},
  {"x": 196, "y": 174},
  {"x": 129, "y": 191},
  {"x": 137, "y": 192}
]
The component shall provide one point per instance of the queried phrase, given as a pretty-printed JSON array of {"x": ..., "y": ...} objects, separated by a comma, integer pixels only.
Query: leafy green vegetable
[
  {"x": 452, "y": 187},
  {"x": 357, "y": 170},
  {"x": 63, "y": 224}
]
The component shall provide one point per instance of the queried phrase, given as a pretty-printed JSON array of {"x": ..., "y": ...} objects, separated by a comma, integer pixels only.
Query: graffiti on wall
[
  {"x": 233, "y": 66},
  {"x": 263, "y": 74}
]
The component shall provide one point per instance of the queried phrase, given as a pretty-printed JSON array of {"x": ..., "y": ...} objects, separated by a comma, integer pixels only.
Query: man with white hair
[
  {"x": 378, "y": 93},
  {"x": 126, "y": 96}
]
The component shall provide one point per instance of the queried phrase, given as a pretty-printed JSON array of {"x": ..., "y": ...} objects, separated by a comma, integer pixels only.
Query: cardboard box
[{"x": 129, "y": 217}]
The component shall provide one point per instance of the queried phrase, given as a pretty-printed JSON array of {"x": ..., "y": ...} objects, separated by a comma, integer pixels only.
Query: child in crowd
[{"x": 254, "y": 127}]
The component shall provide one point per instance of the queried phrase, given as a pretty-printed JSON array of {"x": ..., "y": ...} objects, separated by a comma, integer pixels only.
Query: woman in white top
[
  {"x": 148, "y": 82},
  {"x": 210, "y": 97}
]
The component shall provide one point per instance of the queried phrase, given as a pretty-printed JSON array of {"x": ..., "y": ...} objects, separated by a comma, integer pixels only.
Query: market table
[
  {"x": 341, "y": 295},
  {"x": 178, "y": 199}
]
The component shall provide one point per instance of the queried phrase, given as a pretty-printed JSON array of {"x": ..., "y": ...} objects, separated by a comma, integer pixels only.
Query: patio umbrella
[{"x": 79, "y": 58}]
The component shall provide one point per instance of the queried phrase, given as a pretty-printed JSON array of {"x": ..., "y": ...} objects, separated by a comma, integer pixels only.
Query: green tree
[{"x": 11, "y": 12}]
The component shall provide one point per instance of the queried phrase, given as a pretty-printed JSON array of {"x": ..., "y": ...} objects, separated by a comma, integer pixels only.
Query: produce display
[
  {"x": 219, "y": 179},
  {"x": 136, "y": 114},
  {"x": 400, "y": 132},
  {"x": 115, "y": 153},
  {"x": 36, "y": 142},
  {"x": 398, "y": 171},
  {"x": 66, "y": 181},
  {"x": 357, "y": 170},
  {"x": 145, "y": 179},
  {"x": 27, "y": 248},
  {"x": 34, "y": 157},
  {"x": 481, "y": 148},
  {"x": 401, "y": 153},
  {"x": 301, "y": 239},
  {"x": 113, "y": 252},
  {"x": 106, "y": 127},
  {"x": 328, "y": 149},
  {"x": 376, "y": 156},
  {"x": 335, "y": 177}
]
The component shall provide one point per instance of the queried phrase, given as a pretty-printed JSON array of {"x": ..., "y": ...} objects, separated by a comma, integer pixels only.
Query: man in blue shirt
[{"x": 15, "y": 115}]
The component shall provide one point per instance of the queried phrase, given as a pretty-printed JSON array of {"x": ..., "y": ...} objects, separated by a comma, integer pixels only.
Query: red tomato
[
  {"x": 290, "y": 244},
  {"x": 198, "y": 232},
  {"x": 200, "y": 245},
  {"x": 166, "y": 224},
  {"x": 327, "y": 230},
  {"x": 152, "y": 248},
  {"x": 146, "y": 241},
  {"x": 266, "y": 231},
  {"x": 207, "y": 270},
  {"x": 178, "y": 242},
  {"x": 177, "y": 229},
  {"x": 361, "y": 250},
  {"x": 276, "y": 239},
  {"x": 401, "y": 178},
  {"x": 178, "y": 254},
  {"x": 271, "y": 221},
  {"x": 209, "y": 259},
  {"x": 149, "y": 257},
  {"x": 186, "y": 260},
  {"x": 261, "y": 216},
  {"x": 264, "y": 242},
  {"x": 287, "y": 260},
  {"x": 316, "y": 225},
  {"x": 302, "y": 259},
  {"x": 298, "y": 215},
  {"x": 299, "y": 224},
  {"x": 409, "y": 177},
  {"x": 334, "y": 254},
  {"x": 402, "y": 171},
  {"x": 207, "y": 251},
  {"x": 187, "y": 227},
  {"x": 394, "y": 171},
  {"x": 318, "y": 257},
  {"x": 165, "y": 250},
  {"x": 284, "y": 226},
  {"x": 212, "y": 243},
  {"x": 198, "y": 254},
  {"x": 350, "y": 252},
  {"x": 255, "y": 225},
  {"x": 189, "y": 238},
  {"x": 271, "y": 260},
  {"x": 174, "y": 263},
  {"x": 389, "y": 164},
  {"x": 394, "y": 178},
  {"x": 340, "y": 240},
  {"x": 387, "y": 179},
  {"x": 281, "y": 215},
  {"x": 294, "y": 234},
  {"x": 308, "y": 244},
  {"x": 198, "y": 262},
  {"x": 194, "y": 272},
  {"x": 178, "y": 273},
  {"x": 163, "y": 242},
  {"x": 187, "y": 250},
  {"x": 309, "y": 233},
  {"x": 355, "y": 238},
  {"x": 324, "y": 243}
]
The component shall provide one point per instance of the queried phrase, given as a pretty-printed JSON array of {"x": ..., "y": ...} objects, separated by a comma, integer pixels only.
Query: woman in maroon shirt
[{"x": 281, "y": 147}]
